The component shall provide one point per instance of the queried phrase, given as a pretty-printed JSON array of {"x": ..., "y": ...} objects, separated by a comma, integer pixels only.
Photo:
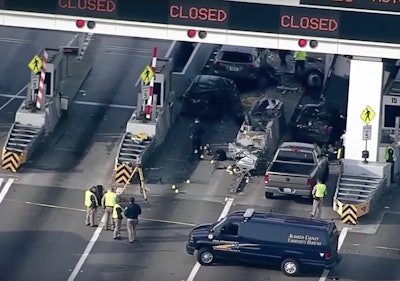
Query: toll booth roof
[{"x": 161, "y": 64}]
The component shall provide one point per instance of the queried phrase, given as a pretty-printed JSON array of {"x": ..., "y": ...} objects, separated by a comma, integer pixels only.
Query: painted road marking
[
  {"x": 342, "y": 236},
  {"x": 120, "y": 106},
  {"x": 224, "y": 213},
  {"x": 83, "y": 210},
  {"x": 13, "y": 97},
  {"x": 5, "y": 188}
]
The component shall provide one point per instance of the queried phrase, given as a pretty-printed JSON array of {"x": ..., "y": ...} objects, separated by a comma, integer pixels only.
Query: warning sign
[
  {"x": 36, "y": 64},
  {"x": 367, "y": 115},
  {"x": 146, "y": 75}
]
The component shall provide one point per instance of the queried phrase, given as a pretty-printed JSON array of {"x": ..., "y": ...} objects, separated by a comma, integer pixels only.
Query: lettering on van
[{"x": 304, "y": 239}]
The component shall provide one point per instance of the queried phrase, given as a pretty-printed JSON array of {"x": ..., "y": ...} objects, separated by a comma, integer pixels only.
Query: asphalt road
[{"x": 39, "y": 242}]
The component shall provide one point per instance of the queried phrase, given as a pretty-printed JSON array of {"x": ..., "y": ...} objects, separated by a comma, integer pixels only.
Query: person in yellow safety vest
[
  {"x": 299, "y": 61},
  {"x": 319, "y": 192},
  {"x": 117, "y": 217},
  {"x": 390, "y": 157},
  {"x": 91, "y": 204},
  {"x": 108, "y": 202}
]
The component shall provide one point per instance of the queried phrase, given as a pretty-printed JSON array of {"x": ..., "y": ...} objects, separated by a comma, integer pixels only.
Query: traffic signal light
[
  {"x": 303, "y": 43},
  {"x": 83, "y": 23},
  {"x": 191, "y": 33}
]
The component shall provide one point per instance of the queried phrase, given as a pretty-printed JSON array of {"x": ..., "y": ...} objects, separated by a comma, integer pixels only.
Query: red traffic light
[
  {"x": 80, "y": 23},
  {"x": 302, "y": 43},
  {"x": 191, "y": 33}
]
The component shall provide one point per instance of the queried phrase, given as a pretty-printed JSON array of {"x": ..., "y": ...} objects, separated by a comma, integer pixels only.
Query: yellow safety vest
[
  {"x": 110, "y": 199},
  {"x": 300, "y": 55},
  {"x": 320, "y": 189},
  {"x": 389, "y": 147},
  {"x": 88, "y": 202},
  {"x": 115, "y": 214}
]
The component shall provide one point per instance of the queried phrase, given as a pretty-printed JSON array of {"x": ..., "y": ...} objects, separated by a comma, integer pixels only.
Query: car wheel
[
  {"x": 205, "y": 256},
  {"x": 269, "y": 195},
  {"x": 290, "y": 267},
  {"x": 314, "y": 79}
]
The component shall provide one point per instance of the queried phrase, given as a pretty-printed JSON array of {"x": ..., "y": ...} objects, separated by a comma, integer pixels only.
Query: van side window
[{"x": 231, "y": 228}]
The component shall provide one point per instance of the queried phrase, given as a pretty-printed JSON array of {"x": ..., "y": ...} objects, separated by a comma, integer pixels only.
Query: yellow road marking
[{"x": 83, "y": 210}]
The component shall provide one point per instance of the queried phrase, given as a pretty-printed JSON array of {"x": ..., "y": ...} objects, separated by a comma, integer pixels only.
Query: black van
[{"x": 267, "y": 238}]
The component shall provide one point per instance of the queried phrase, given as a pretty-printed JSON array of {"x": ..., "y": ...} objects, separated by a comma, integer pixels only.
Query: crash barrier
[
  {"x": 358, "y": 188},
  {"x": 134, "y": 149},
  {"x": 21, "y": 142}
]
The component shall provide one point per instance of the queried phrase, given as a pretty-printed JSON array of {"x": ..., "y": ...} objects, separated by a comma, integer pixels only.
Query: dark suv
[{"x": 244, "y": 64}]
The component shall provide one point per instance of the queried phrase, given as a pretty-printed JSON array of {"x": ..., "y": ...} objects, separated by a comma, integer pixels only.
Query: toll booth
[
  {"x": 143, "y": 135},
  {"x": 31, "y": 124}
]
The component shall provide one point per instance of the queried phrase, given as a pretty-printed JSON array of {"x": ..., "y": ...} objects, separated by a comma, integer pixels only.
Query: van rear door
[{"x": 333, "y": 235}]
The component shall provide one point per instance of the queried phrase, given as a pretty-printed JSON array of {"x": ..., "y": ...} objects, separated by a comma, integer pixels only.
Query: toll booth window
[
  {"x": 157, "y": 91},
  {"x": 47, "y": 81},
  {"x": 391, "y": 112},
  {"x": 231, "y": 229}
]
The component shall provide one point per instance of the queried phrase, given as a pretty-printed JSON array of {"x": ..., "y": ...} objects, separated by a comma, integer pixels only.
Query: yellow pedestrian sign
[
  {"x": 146, "y": 75},
  {"x": 35, "y": 65},
  {"x": 367, "y": 115}
]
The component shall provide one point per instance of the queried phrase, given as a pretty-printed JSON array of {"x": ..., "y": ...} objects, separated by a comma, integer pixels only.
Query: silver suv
[{"x": 241, "y": 63}]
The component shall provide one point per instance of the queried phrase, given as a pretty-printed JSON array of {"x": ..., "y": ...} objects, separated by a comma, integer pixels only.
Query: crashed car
[
  {"x": 212, "y": 97},
  {"x": 314, "y": 124}
]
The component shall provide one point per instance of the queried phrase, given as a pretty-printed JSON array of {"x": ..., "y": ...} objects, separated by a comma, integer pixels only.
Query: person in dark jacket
[
  {"x": 132, "y": 212},
  {"x": 196, "y": 135}
]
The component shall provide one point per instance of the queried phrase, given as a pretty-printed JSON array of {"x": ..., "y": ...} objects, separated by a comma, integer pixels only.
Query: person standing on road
[
  {"x": 108, "y": 202},
  {"x": 91, "y": 204},
  {"x": 196, "y": 135},
  {"x": 300, "y": 62},
  {"x": 132, "y": 213},
  {"x": 319, "y": 192},
  {"x": 390, "y": 157},
  {"x": 117, "y": 216},
  {"x": 282, "y": 57}
]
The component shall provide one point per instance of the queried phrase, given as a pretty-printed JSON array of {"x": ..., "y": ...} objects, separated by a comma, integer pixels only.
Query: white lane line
[
  {"x": 105, "y": 104},
  {"x": 14, "y": 97},
  {"x": 14, "y": 40},
  {"x": 5, "y": 188},
  {"x": 72, "y": 40},
  {"x": 112, "y": 105},
  {"x": 342, "y": 236},
  {"x": 87, "y": 250},
  {"x": 224, "y": 213}
]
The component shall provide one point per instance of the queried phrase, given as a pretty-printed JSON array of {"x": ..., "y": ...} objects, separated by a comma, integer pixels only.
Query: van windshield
[{"x": 218, "y": 225}]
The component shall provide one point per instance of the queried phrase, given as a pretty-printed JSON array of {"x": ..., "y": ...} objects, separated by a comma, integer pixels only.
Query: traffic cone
[
  {"x": 173, "y": 187},
  {"x": 212, "y": 161},
  {"x": 188, "y": 181},
  {"x": 176, "y": 191}
]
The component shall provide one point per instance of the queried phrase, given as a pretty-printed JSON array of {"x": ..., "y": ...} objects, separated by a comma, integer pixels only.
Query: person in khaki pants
[
  {"x": 117, "y": 218},
  {"x": 132, "y": 212},
  {"x": 108, "y": 202},
  {"x": 91, "y": 205}
]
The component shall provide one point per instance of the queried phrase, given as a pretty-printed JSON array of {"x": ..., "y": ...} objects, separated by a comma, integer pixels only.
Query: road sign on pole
[
  {"x": 367, "y": 115},
  {"x": 146, "y": 75},
  {"x": 36, "y": 64},
  {"x": 366, "y": 135},
  {"x": 34, "y": 82}
]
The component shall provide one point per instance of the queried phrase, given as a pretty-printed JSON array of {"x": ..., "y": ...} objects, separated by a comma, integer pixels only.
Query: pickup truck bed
[{"x": 291, "y": 168}]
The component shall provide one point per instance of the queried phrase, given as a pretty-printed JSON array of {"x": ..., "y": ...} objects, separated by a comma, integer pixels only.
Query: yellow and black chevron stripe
[
  {"x": 12, "y": 160},
  {"x": 349, "y": 214},
  {"x": 123, "y": 173}
]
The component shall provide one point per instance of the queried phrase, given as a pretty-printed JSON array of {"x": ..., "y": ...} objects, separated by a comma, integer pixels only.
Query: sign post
[{"x": 366, "y": 116}]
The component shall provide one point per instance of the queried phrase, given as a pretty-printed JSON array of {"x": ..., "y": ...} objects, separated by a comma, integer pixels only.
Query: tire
[
  {"x": 205, "y": 256},
  {"x": 290, "y": 267},
  {"x": 313, "y": 79},
  {"x": 269, "y": 195}
]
